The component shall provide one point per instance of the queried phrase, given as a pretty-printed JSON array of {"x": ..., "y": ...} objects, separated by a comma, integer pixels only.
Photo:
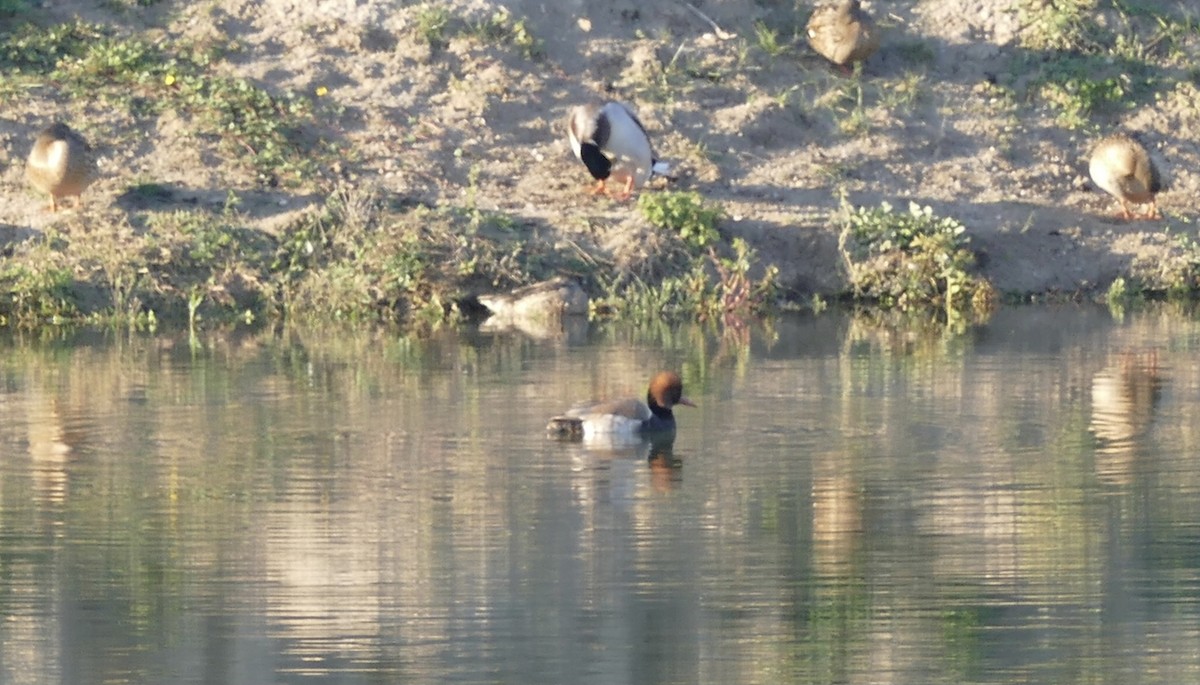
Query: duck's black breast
[
  {"x": 659, "y": 424},
  {"x": 599, "y": 166}
]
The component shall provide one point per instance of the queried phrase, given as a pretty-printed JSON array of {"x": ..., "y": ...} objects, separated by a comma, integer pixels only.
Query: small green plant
[
  {"x": 1084, "y": 59},
  {"x": 118, "y": 273},
  {"x": 686, "y": 213},
  {"x": 768, "y": 40},
  {"x": 738, "y": 295},
  {"x": 1059, "y": 25},
  {"x": 500, "y": 27},
  {"x": 850, "y": 96},
  {"x": 901, "y": 95},
  {"x": 910, "y": 260},
  {"x": 253, "y": 123},
  {"x": 432, "y": 21},
  {"x": 112, "y": 59},
  {"x": 1121, "y": 295},
  {"x": 1077, "y": 88}
]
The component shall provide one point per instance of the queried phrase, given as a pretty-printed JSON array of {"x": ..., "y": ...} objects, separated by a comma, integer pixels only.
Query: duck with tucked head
[
  {"x": 1124, "y": 169},
  {"x": 613, "y": 145},
  {"x": 625, "y": 418},
  {"x": 60, "y": 163},
  {"x": 843, "y": 33}
]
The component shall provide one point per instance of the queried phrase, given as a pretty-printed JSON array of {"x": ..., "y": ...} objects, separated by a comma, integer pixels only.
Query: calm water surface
[{"x": 849, "y": 504}]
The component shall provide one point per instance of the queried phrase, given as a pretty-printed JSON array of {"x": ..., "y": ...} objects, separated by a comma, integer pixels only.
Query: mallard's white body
[{"x": 613, "y": 144}]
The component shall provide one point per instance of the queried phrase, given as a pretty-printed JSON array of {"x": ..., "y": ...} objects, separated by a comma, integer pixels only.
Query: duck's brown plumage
[
  {"x": 1123, "y": 168},
  {"x": 60, "y": 163},
  {"x": 843, "y": 32}
]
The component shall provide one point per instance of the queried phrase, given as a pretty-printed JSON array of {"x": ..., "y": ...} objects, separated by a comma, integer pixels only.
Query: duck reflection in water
[
  {"x": 629, "y": 427},
  {"x": 616, "y": 470},
  {"x": 666, "y": 470},
  {"x": 1125, "y": 395}
]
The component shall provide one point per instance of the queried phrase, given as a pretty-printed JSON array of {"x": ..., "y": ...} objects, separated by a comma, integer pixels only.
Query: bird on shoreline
[
  {"x": 625, "y": 418},
  {"x": 843, "y": 33},
  {"x": 1123, "y": 168},
  {"x": 60, "y": 164},
  {"x": 612, "y": 143}
]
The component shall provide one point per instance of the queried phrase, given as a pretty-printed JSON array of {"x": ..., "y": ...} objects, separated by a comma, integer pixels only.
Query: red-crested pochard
[{"x": 625, "y": 417}]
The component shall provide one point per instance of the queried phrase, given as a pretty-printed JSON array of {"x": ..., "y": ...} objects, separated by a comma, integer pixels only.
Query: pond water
[{"x": 849, "y": 503}]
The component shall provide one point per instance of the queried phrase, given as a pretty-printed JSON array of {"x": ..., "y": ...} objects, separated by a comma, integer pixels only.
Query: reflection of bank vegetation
[{"x": 868, "y": 521}]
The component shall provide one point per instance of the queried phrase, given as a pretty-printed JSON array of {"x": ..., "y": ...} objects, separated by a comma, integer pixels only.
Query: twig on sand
[{"x": 720, "y": 32}]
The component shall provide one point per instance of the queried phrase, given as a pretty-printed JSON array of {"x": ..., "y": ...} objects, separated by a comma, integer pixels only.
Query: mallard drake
[
  {"x": 1122, "y": 167},
  {"x": 843, "y": 33},
  {"x": 60, "y": 163},
  {"x": 629, "y": 417},
  {"x": 613, "y": 145}
]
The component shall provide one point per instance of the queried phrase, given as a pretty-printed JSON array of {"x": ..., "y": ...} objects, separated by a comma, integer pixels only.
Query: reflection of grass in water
[{"x": 962, "y": 633}]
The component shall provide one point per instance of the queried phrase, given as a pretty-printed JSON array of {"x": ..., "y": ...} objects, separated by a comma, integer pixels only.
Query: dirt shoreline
[{"x": 944, "y": 115}]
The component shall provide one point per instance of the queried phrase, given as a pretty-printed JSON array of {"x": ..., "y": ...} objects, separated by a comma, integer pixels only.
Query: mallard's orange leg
[
  {"x": 1154, "y": 213},
  {"x": 627, "y": 190},
  {"x": 599, "y": 188}
]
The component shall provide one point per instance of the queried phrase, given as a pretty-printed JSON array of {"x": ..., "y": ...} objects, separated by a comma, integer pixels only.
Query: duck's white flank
[{"x": 627, "y": 146}]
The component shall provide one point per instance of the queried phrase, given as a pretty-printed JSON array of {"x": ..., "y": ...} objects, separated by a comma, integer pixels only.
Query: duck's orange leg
[{"x": 627, "y": 190}]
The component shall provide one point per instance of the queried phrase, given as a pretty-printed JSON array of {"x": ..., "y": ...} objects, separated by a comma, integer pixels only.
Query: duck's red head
[{"x": 666, "y": 391}]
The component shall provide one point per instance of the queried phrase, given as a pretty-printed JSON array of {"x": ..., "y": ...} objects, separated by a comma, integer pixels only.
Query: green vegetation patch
[
  {"x": 911, "y": 260},
  {"x": 685, "y": 213},
  {"x": 859, "y": 104},
  {"x": 264, "y": 131},
  {"x": 360, "y": 257},
  {"x": 1060, "y": 25},
  {"x": 701, "y": 278},
  {"x": 1080, "y": 86},
  {"x": 37, "y": 285},
  {"x": 1082, "y": 59},
  {"x": 708, "y": 287},
  {"x": 435, "y": 25}
]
